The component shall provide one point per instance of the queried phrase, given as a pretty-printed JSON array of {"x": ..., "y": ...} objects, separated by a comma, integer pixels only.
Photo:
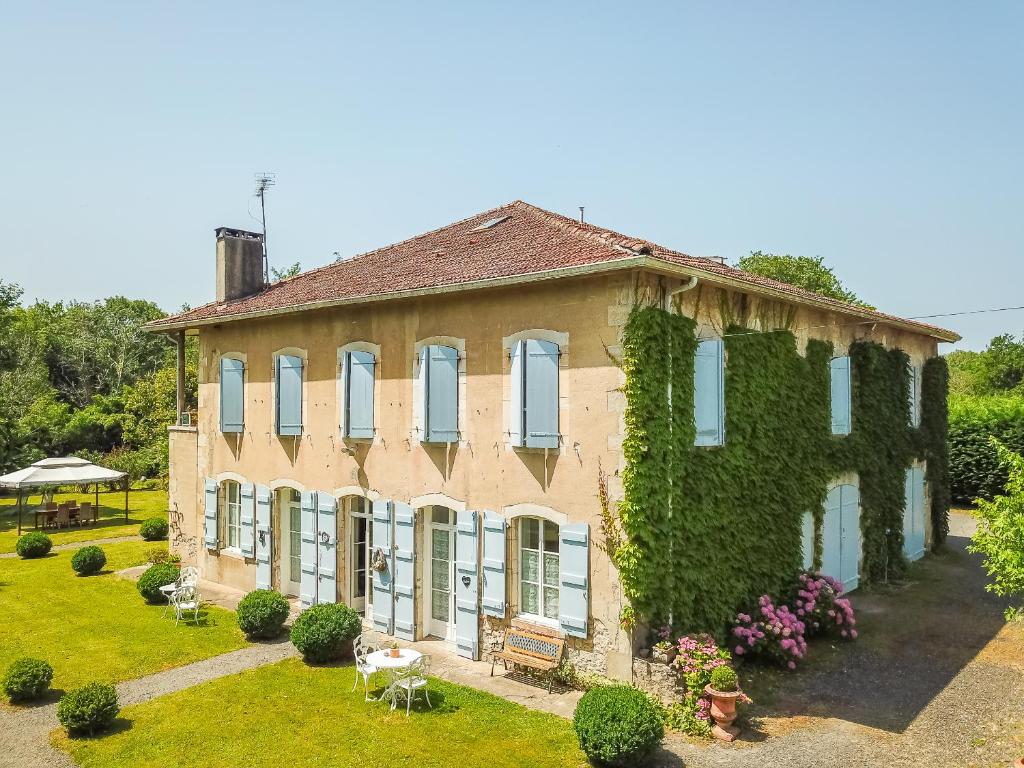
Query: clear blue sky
[{"x": 886, "y": 137}]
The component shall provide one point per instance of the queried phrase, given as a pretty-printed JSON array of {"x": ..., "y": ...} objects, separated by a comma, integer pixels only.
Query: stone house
[{"x": 419, "y": 431}]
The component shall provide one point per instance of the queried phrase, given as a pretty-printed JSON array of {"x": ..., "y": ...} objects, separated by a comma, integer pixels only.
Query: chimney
[{"x": 239, "y": 264}]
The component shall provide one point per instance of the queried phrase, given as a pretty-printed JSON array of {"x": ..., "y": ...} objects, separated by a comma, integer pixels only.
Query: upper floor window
[
  {"x": 534, "y": 402},
  {"x": 439, "y": 382},
  {"x": 539, "y": 568},
  {"x": 288, "y": 394},
  {"x": 232, "y": 395},
  {"x": 915, "y": 397},
  {"x": 839, "y": 372},
  {"x": 233, "y": 518},
  {"x": 357, "y": 382},
  {"x": 709, "y": 392}
]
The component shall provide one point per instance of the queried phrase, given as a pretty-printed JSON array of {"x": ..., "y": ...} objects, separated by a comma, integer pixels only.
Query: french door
[
  {"x": 441, "y": 572},
  {"x": 360, "y": 575},
  {"x": 290, "y": 502}
]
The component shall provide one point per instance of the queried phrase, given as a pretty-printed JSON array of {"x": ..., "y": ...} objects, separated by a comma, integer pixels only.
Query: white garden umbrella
[{"x": 67, "y": 470}]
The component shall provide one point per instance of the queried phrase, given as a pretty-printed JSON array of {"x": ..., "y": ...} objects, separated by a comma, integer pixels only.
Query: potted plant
[
  {"x": 395, "y": 652},
  {"x": 724, "y": 690},
  {"x": 665, "y": 650}
]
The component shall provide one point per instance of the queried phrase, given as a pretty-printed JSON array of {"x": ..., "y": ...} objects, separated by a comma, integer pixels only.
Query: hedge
[{"x": 974, "y": 467}]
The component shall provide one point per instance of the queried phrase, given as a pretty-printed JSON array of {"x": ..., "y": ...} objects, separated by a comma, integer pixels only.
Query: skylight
[{"x": 488, "y": 224}]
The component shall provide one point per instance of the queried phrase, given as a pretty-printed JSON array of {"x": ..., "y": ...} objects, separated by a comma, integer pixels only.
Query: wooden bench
[{"x": 529, "y": 646}]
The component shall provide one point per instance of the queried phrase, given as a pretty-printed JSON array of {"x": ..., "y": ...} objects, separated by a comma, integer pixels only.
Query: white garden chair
[
  {"x": 188, "y": 576},
  {"x": 412, "y": 679},
  {"x": 184, "y": 600},
  {"x": 363, "y": 667}
]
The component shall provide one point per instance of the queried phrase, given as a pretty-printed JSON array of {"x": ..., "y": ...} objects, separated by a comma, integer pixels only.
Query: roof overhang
[{"x": 640, "y": 261}]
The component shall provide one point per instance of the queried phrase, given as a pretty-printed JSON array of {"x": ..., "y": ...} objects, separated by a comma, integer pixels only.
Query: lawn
[
  {"x": 300, "y": 716},
  {"x": 98, "y": 627},
  {"x": 142, "y": 504}
]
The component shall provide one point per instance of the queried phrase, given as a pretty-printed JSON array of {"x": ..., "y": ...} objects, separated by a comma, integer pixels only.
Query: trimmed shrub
[
  {"x": 975, "y": 471},
  {"x": 27, "y": 679},
  {"x": 89, "y": 709},
  {"x": 157, "y": 576},
  {"x": 261, "y": 614},
  {"x": 724, "y": 679},
  {"x": 617, "y": 725},
  {"x": 88, "y": 560},
  {"x": 323, "y": 632},
  {"x": 32, "y": 545},
  {"x": 162, "y": 555},
  {"x": 154, "y": 529}
]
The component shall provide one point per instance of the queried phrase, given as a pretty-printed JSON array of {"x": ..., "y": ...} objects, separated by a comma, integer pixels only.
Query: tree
[
  {"x": 1000, "y": 534},
  {"x": 997, "y": 370},
  {"x": 277, "y": 275},
  {"x": 805, "y": 272}
]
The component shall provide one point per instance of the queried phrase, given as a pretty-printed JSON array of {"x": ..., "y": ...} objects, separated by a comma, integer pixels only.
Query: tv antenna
[{"x": 264, "y": 181}]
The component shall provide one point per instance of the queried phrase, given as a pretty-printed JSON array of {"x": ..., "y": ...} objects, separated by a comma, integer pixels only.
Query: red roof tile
[{"x": 526, "y": 243}]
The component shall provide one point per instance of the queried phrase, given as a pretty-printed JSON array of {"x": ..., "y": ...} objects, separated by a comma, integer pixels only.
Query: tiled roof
[{"x": 523, "y": 242}]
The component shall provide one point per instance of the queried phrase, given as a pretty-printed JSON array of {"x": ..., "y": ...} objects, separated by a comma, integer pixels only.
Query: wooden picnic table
[{"x": 74, "y": 514}]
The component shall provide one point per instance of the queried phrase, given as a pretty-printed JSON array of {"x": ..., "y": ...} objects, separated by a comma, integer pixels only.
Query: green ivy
[
  {"x": 708, "y": 530},
  {"x": 933, "y": 443}
]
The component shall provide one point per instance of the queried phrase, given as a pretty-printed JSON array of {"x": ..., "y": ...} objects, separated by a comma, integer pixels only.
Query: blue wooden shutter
[
  {"x": 210, "y": 527},
  {"x": 232, "y": 395},
  {"x": 307, "y": 562},
  {"x": 831, "y": 535},
  {"x": 327, "y": 565},
  {"x": 850, "y": 525},
  {"x": 840, "y": 378},
  {"x": 383, "y": 581},
  {"x": 494, "y": 565},
  {"x": 247, "y": 537},
  {"x": 359, "y": 399},
  {"x": 264, "y": 538},
  {"x": 442, "y": 395},
  {"x": 516, "y": 414},
  {"x": 421, "y": 395},
  {"x": 709, "y": 392},
  {"x": 807, "y": 540},
  {"x": 574, "y": 577},
  {"x": 467, "y": 585},
  {"x": 913, "y": 514},
  {"x": 289, "y": 395},
  {"x": 541, "y": 394},
  {"x": 405, "y": 571}
]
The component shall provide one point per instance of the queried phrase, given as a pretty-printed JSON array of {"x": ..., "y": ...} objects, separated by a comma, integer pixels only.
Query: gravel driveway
[{"x": 936, "y": 679}]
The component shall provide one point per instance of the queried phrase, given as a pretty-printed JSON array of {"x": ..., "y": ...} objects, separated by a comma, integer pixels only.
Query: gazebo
[{"x": 68, "y": 470}]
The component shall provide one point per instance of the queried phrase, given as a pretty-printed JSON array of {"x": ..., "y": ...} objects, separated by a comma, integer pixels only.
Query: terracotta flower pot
[
  {"x": 723, "y": 710},
  {"x": 395, "y": 653}
]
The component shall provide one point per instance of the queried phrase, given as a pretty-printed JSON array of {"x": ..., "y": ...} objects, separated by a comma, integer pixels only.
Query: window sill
[
  {"x": 540, "y": 621},
  {"x": 233, "y": 552}
]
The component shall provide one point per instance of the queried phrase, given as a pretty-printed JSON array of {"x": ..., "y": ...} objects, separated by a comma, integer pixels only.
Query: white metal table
[
  {"x": 168, "y": 590},
  {"x": 389, "y": 664}
]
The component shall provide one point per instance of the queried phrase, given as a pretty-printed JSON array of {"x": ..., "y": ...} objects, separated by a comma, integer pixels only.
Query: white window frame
[
  {"x": 541, "y": 587},
  {"x": 232, "y": 509}
]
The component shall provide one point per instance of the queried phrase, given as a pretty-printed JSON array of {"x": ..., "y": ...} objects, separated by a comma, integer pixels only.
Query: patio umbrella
[{"x": 67, "y": 470}]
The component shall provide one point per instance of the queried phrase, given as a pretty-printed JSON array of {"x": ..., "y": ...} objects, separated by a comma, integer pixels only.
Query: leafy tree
[
  {"x": 277, "y": 275},
  {"x": 997, "y": 370},
  {"x": 1000, "y": 534},
  {"x": 805, "y": 272}
]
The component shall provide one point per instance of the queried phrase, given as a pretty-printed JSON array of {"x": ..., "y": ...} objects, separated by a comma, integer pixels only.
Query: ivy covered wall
[{"x": 710, "y": 529}]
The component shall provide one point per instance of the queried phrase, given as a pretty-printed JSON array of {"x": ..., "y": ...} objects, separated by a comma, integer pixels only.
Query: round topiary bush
[
  {"x": 617, "y": 725},
  {"x": 27, "y": 679},
  {"x": 89, "y": 709},
  {"x": 724, "y": 679},
  {"x": 261, "y": 614},
  {"x": 88, "y": 560},
  {"x": 157, "y": 576},
  {"x": 325, "y": 632},
  {"x": 34, "y": 544},
  {"x": 154, "y": 529}
]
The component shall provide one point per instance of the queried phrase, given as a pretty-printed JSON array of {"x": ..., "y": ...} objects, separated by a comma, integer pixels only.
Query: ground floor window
[
  {"x": 538, "y": 568},
  {"x": 233, "y": 518}
]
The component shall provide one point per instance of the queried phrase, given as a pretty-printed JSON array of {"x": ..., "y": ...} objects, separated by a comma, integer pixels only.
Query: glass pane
[
  {"x": 439, "y": 605},
  {"x": 531, "y": 603},
  {"x": 550, "y": 537},
  {"x": 295, "y": 495},
  {"x": 531, "y": 533},
  {"x": 531, "y": 566},
  {"x": 439, "y": 576},
  {"x": 359, "y": 583},
  {"x": 550, "y": 570},
  {"x": 441, "y": 515},
  {"x": 550, "y": 603}
]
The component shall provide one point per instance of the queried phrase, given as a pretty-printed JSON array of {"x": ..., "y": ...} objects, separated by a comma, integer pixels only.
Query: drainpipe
[{"x": 692, "y": 282}]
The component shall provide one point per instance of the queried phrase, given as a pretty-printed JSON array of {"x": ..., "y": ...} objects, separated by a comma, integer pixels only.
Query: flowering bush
[
  {"x": 698, "y": 656},
  {"x": 818, "y": 603}
]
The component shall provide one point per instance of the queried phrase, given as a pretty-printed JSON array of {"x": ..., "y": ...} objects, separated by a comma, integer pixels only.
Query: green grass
[
  {"x": 98, "y": 627},
  {"x": 300, "y": 716},
  {"x": 142, "y": 504}
]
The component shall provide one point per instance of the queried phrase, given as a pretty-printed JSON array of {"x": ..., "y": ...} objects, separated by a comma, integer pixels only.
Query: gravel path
[
  {"x": 80, "y": 544},
  {"x": 936, "y": 679},
  {"x": 24, "y": 731}
]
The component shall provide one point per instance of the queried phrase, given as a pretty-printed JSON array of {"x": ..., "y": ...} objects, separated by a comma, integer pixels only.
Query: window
[
  {"x": 538, "y": 568},
  {"x": 357, "y": 378},
  {"x": 439, "y": 379},
  {"x": 288, "y": 383},
  {"x": 915, "y": 397},
  {"x": 232, "y": 389},
  {"x": 534, "y": 403},
  {"x": 709, "y": 392},
  {"x": 839, "y": 371},
  {"x": 233, "y": 519}
]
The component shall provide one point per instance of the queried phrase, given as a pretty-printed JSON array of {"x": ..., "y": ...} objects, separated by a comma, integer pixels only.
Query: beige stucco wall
[{"x": 481, "y": 471}]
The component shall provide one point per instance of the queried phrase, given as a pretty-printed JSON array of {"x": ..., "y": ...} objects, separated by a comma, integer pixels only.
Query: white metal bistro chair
[
  {"x": 363, "y": 667},
  {"x": 186, "y": 599},
  {"x": 411, "y": 679},
  {"x": 188, "y": 576}
]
